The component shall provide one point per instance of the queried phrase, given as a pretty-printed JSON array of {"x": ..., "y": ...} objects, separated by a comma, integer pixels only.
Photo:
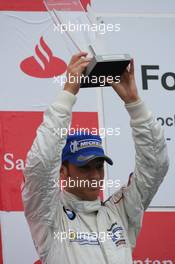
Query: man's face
[{"x": 86, "y": 181}]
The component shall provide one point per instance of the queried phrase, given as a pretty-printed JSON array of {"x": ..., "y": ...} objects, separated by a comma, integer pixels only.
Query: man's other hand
[{"x": 126, "y": 88}]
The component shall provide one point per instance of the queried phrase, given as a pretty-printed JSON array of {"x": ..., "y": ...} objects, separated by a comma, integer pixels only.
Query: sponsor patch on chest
[{"x": 83, "y": 238}]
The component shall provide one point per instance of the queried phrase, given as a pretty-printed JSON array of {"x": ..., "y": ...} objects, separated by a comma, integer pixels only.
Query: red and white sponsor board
[{"x": 33, "y": 56}]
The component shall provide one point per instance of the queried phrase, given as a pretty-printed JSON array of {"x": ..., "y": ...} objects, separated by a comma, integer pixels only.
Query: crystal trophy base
[{"x": 101, "y": 66}]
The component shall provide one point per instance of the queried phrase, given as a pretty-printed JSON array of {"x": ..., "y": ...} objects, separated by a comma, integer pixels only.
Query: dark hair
[{"x": 65, "y": 163}]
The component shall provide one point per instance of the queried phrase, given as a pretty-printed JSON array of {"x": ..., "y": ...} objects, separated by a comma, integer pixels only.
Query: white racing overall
[{"x": 56, "y": 218}]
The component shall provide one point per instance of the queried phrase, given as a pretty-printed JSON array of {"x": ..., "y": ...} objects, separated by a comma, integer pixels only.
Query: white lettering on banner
[
  {"x": 11, "y": 164},
  {"x": 167, "y": 79},
  {"x": 156, "y": 261}
]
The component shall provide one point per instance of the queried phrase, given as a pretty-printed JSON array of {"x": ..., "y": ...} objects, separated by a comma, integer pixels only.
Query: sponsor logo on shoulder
[{"x": 117, "y": 234}]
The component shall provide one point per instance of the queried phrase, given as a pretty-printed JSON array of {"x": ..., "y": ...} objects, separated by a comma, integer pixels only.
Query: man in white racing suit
[{"x": 73, "y": 226}]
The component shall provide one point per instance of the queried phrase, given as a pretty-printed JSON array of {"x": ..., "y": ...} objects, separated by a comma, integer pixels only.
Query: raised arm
[
  {"x": 151, "y": 160},
  {"x": 40, "y": 191}
]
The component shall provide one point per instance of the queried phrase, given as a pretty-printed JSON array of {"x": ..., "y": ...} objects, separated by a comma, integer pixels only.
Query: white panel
[
  {"x": 136, "y": 6},
  {"x": 17, "y": 245}
]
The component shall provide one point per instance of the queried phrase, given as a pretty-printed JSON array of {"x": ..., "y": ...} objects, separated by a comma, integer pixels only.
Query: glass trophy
[{"x": 103, "y": 65}]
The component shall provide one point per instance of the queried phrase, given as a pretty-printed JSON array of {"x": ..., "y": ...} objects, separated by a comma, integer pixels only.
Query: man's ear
[{"x": 63, "y": 171}]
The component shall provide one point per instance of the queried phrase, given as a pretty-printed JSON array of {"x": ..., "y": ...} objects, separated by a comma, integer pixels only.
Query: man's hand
[
  {"x": 127, "y": 89},
  {"x": 75, "y": 69}
]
